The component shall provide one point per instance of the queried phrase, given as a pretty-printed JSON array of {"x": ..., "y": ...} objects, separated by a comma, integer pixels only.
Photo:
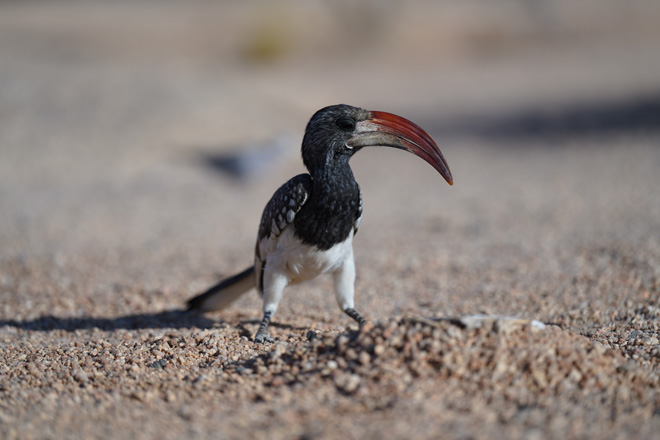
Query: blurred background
[{"x": 139, "y": 140}]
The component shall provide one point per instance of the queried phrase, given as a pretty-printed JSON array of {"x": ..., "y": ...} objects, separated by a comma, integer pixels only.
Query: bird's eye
[{"x": 345, "y": 123}]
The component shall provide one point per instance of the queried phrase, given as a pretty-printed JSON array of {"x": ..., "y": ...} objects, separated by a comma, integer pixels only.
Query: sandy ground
[{"x": 114, "y": 210}]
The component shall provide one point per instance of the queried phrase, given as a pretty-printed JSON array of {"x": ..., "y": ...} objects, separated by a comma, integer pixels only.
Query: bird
[{"x": 307, "y": 227}]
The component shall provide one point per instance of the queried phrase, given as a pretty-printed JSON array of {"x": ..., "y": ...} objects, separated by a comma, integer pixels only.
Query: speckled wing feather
[
  {"x": 358, "y": 214},
  {"x": 279, "y": 213}
]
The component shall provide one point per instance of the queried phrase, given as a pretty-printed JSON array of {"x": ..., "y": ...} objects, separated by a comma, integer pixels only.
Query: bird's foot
[
  {"x": 262, "y": 338},
  {"x": 262, "y": 334}
]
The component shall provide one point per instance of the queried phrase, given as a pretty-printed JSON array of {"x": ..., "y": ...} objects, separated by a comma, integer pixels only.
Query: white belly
[{"x": 300, "y": 262}]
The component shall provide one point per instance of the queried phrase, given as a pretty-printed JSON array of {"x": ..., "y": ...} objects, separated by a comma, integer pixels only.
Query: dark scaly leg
[
  {"x": 262, "y": 334},
  {"x": 355, "y": 315}
]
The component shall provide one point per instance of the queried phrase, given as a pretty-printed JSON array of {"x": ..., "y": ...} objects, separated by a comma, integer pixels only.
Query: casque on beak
[{"x": 389, "y": 130}]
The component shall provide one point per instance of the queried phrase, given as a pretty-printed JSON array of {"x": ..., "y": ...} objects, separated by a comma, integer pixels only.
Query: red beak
[{"x": 388, "y": 130}]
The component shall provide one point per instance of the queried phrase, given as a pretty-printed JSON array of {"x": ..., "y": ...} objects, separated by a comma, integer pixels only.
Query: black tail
[{"x": 224, "y": 293}]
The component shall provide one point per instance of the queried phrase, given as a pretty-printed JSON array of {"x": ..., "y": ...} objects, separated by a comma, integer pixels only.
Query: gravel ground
[{"x": 115, "y": 210}]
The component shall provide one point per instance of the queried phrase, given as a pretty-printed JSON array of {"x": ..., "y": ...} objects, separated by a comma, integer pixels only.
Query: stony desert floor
[{"x": 116, "y": 125}]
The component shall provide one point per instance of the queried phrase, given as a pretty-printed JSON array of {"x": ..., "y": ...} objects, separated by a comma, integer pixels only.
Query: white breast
[{"x": 300, "y": 262}]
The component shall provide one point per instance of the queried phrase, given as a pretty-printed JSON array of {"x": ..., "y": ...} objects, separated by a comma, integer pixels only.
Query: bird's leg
[
  {"x": 262, "y": 334},
  {"x": 355, "y": 315},
  {"x": 274, "y": 284},
  {"x": 344, "y": 278}
]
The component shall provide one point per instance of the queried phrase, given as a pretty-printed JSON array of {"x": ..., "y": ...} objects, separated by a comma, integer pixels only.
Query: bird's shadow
[{"x": 169, "y": 319}]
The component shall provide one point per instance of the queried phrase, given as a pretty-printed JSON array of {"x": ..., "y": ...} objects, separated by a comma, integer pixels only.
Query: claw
[{"x": 263, "y": 338}]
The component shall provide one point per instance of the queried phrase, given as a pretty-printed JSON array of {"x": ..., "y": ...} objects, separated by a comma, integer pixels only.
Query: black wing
[
  {"x": 358, "y": 214},
  {"x": 279, "y": 213}
]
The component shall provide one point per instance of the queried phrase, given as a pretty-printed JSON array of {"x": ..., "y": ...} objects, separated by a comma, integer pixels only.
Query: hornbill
[{"x": 308, "y": 225}]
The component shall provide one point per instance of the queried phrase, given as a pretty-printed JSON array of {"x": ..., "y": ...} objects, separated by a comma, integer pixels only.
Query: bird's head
[{"x": 337, "y": 132}]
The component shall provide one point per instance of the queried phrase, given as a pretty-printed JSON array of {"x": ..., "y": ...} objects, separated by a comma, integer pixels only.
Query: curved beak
[{"x": 388, "y": 130}]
